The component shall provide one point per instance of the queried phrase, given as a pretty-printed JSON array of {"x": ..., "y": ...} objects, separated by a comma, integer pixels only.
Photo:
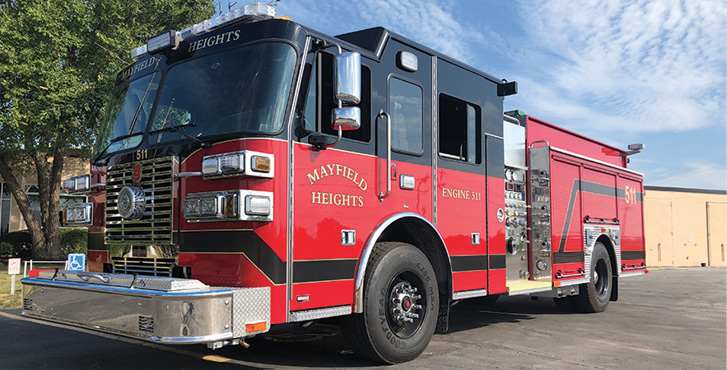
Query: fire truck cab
[{"x": 254, "y": 172}]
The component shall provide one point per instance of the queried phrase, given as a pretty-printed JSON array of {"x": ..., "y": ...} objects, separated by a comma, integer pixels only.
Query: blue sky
[{"x": 651, "y": 72}]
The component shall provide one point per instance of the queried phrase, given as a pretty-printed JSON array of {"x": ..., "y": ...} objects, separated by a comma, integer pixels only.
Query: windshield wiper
[{"x": 203, "y": 144}]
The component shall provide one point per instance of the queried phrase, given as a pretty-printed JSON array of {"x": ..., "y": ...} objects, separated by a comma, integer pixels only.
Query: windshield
[
  {"x": 126, "y": 114},
  {"x": 244, "y": 89}
]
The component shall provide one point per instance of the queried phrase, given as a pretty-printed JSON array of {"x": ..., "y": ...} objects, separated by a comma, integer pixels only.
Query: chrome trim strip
[
  {"x": 469, "y": 294},
  {"x": 290, "y": 175},
  {"x": 495, "y": 136},
  {"x": 435, "y": 192},
  {"x": 320, "y": 313},
  {"x": 125, "y": 291},
  {"x": 633, "y": 273},
  {"x": 190, "y": 340},
  {"x": 596, "y": 160},
  {"x": 364, "y": 260}
]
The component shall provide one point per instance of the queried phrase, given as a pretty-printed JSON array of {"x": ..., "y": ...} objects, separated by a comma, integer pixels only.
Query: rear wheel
[
  {"x": 401, "y": 303},
  {"x": 594, "y": 295}
]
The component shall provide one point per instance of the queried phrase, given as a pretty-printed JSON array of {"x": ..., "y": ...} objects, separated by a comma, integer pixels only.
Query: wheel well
[
  {"x": 424, "y": 237},
  {"x": 606, "y": 241},
  {"x": 421, "y": 235}
]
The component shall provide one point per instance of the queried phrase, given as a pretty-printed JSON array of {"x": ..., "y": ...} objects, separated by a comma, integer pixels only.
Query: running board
[{"x": 529, "y": 286}]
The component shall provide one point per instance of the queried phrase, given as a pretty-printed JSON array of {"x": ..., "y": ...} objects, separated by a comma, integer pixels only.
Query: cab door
[
  {"x": 461, "y": 180},
  {"x": 403, "y": 134},
  {"x": 333, "y": 190}
]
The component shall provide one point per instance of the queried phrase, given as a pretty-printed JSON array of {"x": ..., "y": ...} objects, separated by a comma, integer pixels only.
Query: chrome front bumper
[{"x": 158, "y": 309}]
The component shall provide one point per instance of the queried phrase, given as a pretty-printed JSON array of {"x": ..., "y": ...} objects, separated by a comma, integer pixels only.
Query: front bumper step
[{"x": 158, "y": 309}]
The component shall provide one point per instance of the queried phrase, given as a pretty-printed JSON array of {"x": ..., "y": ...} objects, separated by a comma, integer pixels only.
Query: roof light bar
[
  {"x": 165, "y": 39},
  {"x": 138, "y": 52},
  {"x": 162, "y": 41}
]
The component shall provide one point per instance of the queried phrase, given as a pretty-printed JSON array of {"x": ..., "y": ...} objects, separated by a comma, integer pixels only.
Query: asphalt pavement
[{"x": 668, "y": 319}]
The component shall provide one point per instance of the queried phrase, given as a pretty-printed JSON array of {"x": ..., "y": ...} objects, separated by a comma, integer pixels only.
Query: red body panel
[
  {"x": 337, "y": 190},
  {"x": 571, "y": 141},
  {"x": 461, "y": 211},
  {"x": 496, "y": 235},
  {"x": 235, "y": 269}
]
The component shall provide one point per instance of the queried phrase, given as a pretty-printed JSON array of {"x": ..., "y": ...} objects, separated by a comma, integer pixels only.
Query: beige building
[
  {"x": 10, "y": 217},
  {"x": 685, "y": 227}
]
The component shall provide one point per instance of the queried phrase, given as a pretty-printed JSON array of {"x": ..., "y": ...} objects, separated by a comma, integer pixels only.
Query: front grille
[
  {"x": 27, "y": 304},
  {"x": 143, "y": 265},
  {"x": 146, "y": 324},
  {"x": 155, "y": 226}
]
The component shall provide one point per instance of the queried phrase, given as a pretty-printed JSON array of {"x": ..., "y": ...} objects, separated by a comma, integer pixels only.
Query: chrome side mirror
[
  {"x": 348, "y": 78},
  {"x": 347, "y": 119}
]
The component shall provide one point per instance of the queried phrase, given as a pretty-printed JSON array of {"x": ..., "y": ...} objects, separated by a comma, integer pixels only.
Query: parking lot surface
[{"x": 668, "y": 319}]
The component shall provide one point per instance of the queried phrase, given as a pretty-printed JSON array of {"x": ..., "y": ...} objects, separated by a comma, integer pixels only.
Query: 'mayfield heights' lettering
[
  {"x": 337, "y": 170},
  {"x": 214, "y": 40}
]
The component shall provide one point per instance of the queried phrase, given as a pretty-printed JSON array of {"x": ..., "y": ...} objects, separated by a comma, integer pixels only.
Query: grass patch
[{"x": 6, "y": 299}]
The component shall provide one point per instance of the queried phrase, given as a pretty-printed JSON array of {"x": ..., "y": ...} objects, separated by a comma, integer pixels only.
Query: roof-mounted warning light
[{"x": 634, "y": 148}]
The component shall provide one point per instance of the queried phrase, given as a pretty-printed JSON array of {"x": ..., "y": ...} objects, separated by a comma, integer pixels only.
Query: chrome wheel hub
[{"x": 404, "y": 302}]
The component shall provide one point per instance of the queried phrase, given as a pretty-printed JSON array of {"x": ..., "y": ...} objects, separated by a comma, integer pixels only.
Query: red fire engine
[{"x": 253, "y": 172}]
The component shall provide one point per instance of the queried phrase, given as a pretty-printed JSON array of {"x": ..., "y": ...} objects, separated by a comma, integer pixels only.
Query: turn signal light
[
  {"x": 261, "y": 164},
  {"x": 255, "y": 327}
]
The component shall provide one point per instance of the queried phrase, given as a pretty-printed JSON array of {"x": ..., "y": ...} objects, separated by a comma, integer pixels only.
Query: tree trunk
[
  {"x": 21, "y": 199},
  {"x": 49, "y": 175}
]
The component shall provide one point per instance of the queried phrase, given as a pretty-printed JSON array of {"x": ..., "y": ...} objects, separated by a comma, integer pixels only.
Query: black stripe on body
[
  {"x": 468, "y": 263},
  {"x": 323, "y": 270},
  {"x": 632, "y": 255},
  {"x": 497, "y": 262},
  {"x": 567, "y": 257},
  {"x": 568, "y": 215},
  {"x": 236, "y": 241}
]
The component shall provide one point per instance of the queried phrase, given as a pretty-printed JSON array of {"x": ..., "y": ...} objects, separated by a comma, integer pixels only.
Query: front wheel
[
  {"x": 401, "y": 304},
  {"x": 594, "y": 295}
]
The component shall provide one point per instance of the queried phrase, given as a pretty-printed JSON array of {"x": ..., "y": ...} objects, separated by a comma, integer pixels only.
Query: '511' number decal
[
  {"x": 630, "y": 195},
  {"x": 142, "y": 154}
]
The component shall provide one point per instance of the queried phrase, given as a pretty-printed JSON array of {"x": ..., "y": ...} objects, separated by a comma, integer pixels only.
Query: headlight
[
  {"x": 256, "y": 205},
  {"x": 78, "y": 183},
  {"x": 223, "y": 164},
  {"x": 78, "y": 214},
  {"x": 226, "y": 206},
  {"x": 246, "y": 163}
]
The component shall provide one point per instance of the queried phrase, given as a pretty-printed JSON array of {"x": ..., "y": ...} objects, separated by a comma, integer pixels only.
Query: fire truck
[{"x": 252, "y": 172}]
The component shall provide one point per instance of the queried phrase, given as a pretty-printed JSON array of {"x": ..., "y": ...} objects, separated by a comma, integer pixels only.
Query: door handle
[{"x": 382, "y": 196}]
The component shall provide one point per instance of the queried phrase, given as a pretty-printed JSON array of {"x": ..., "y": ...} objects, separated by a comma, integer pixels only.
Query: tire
[
  {"x": 566, "y": 304},
  {"x": 595, "y": 295},
  {"x": 399, "y": 282}
]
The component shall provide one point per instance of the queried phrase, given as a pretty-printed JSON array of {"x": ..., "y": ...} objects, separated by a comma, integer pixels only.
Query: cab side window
[
  {"x": 320, "y": 100},
  {"x": 406, "y": 109},
  {"x": 459, "y": 130}
]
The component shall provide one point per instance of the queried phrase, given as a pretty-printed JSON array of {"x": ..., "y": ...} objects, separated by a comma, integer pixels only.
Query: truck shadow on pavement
[{"x": 323, "y": 345}]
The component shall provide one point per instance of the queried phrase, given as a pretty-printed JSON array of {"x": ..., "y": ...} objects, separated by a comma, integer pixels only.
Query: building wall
[
  {"x": 71, "y": 167},
  {"x": 685, "y": 227}
]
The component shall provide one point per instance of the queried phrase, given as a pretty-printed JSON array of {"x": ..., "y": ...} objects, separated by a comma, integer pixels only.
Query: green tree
[{"x": 58, "y": 60}]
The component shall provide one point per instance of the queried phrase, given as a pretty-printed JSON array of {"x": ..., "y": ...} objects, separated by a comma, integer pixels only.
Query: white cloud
[
  {"x": 430, "y": 23},
  {"x": 641, "y": 66},
  {"x": 710, "y": 175}
]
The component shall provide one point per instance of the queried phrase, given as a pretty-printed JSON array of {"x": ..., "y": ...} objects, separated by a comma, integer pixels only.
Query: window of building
[
  {"x": 405, "y": 108},
  {"x": 459, "y": 130},
  {"x": 320, "y": 101}
]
